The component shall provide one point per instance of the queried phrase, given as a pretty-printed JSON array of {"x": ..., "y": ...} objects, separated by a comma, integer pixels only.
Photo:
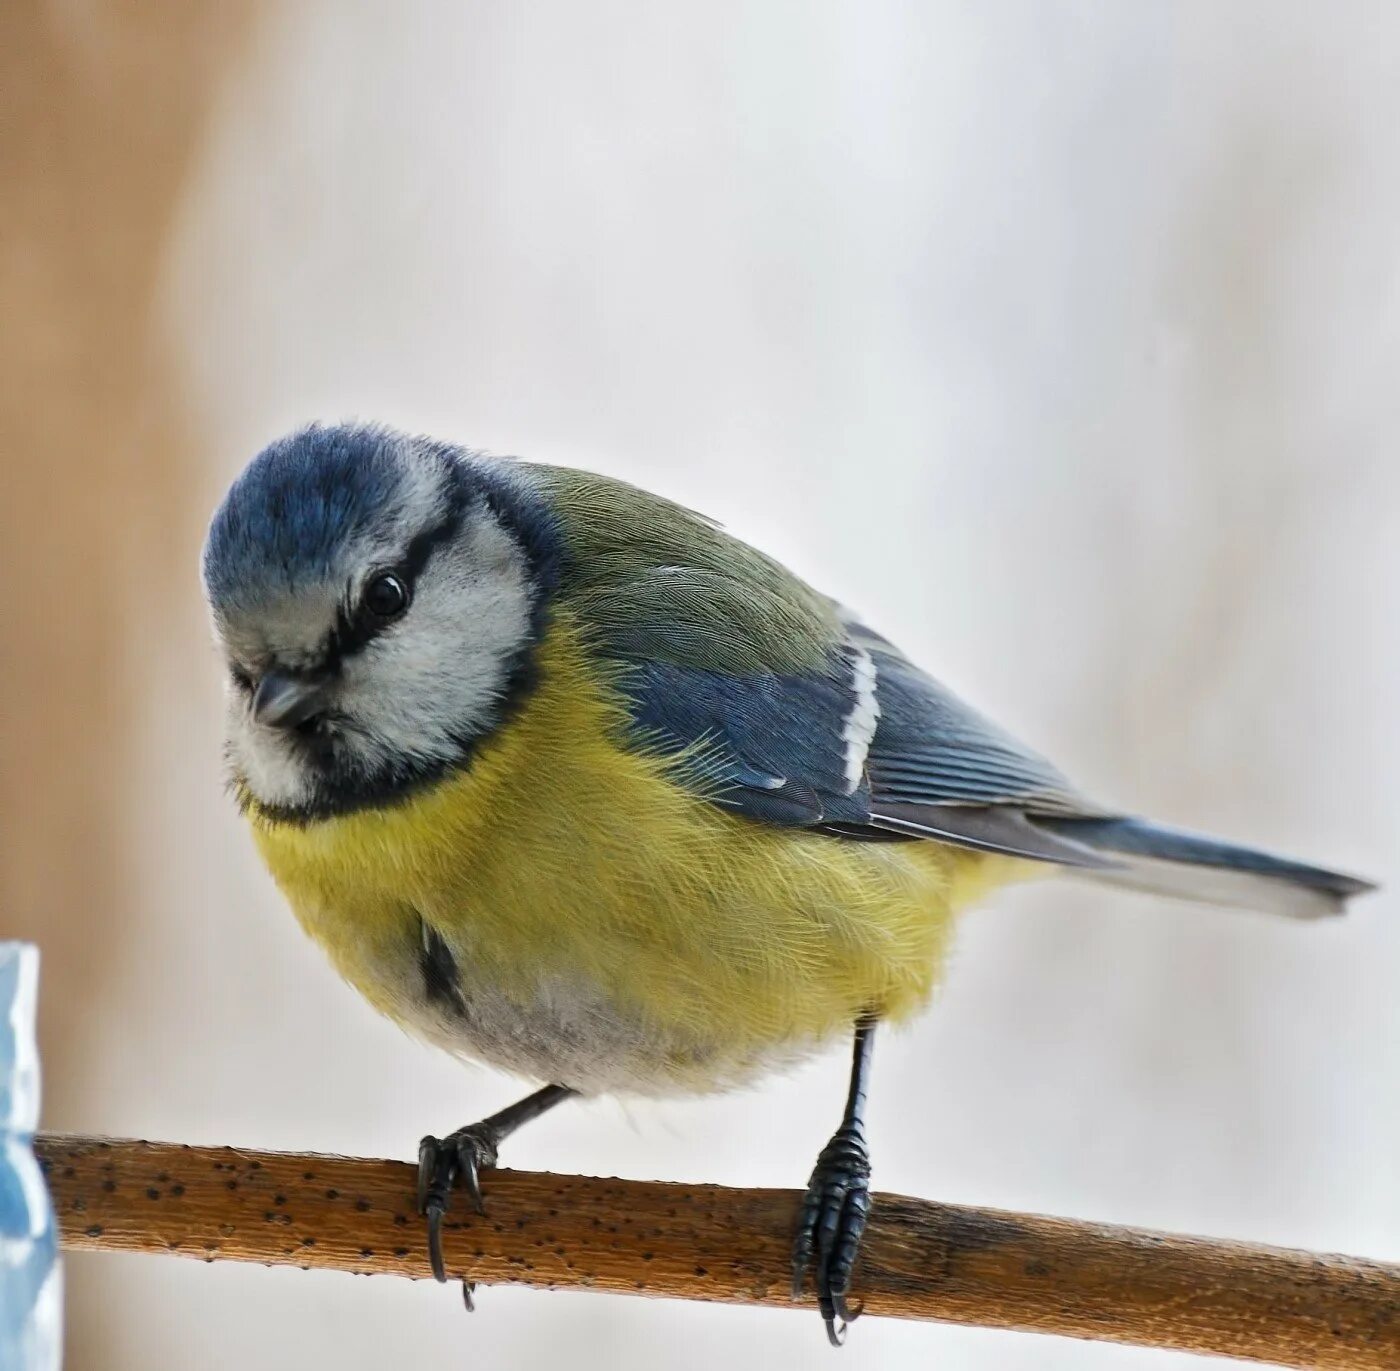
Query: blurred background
[{"x": 1061, "y": 340}]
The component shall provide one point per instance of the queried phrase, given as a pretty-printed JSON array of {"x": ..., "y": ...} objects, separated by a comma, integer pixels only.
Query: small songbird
[{"x": 567, "y": 780}]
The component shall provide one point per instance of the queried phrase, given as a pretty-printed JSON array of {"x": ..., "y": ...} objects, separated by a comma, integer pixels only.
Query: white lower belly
[{"x": 569, "y": 1033}]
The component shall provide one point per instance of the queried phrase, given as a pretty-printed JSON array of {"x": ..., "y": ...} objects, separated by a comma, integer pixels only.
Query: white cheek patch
[{"x": 438, "y": 677}]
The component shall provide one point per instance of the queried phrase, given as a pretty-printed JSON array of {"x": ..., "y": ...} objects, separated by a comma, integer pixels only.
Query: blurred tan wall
[
  {"x": 1059, "y": 339},
  {"x": 101, "y": 109}
]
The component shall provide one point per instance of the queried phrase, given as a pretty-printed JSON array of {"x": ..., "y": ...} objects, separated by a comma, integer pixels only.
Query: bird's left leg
[
  {"x": 837, "y": 1202},
  {"x": 462, "y": 1156}
]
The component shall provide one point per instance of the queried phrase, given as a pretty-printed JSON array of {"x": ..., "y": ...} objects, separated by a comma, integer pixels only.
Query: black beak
[{"x": 282, "y": 701}]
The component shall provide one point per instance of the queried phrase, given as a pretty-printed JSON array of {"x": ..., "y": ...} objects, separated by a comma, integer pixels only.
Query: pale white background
[{"x": 1062, "y": 340}]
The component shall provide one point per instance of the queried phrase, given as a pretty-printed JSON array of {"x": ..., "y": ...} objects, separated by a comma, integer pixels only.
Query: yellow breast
[{"x": 584, "y": 894}]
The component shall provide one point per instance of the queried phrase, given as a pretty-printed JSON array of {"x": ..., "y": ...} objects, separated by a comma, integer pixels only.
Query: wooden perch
[{"x": 705, "y": 1242}]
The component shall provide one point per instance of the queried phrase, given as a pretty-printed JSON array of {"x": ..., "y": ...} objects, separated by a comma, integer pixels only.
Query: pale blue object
[{"x": 31, "y": 1290}]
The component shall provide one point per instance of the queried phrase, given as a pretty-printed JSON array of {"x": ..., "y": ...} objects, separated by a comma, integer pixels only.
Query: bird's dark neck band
[{"x": 353, "y": 789}]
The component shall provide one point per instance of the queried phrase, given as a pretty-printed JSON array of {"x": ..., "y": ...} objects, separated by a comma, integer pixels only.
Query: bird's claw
[
  {"x": 832, "y": 1220},
  {"x": 459, "y": 1158}
]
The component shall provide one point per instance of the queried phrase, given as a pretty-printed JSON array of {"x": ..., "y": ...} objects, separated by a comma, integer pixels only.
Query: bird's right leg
[{"x": 462, "y": 1156}]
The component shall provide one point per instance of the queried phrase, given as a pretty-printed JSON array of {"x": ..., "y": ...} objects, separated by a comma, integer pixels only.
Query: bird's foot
[
  {"x": 443, "y": 1163},
  {"x": 829, "y": 1229}
]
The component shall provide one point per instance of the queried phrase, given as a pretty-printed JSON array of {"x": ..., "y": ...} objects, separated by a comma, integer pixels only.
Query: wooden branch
[{"x": 705, "y": 1242}]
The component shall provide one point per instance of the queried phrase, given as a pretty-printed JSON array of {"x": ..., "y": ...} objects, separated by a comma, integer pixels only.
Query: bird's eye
[{"x": 386, "y": 597}]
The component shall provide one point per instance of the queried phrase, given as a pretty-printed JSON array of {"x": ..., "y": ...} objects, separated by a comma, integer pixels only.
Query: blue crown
[
  {"x": 305, "y": 496},
  {"x": 297, "y": 503}
]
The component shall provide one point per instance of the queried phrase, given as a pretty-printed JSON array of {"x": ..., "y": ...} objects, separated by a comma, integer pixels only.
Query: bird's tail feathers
[{"x": 1171, "y": 861}]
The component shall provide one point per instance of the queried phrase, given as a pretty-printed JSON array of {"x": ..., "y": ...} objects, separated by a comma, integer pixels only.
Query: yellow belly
[{"x": 613, "y": 931}]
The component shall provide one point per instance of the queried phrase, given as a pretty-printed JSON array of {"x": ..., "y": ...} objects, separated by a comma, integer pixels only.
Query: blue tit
[{"x": 565, "y": 779}]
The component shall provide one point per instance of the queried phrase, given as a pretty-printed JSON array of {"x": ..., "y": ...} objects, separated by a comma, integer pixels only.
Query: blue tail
[{"x": 1171, "y": 861}]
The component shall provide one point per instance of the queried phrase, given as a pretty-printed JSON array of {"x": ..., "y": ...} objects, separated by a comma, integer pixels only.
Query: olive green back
[{"x": 654, "y": 581}]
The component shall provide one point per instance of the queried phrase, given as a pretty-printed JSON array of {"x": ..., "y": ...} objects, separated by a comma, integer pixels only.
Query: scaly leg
[
  {"x": 462, "y": 1156},
  {"x": 837, "y": 1203}
]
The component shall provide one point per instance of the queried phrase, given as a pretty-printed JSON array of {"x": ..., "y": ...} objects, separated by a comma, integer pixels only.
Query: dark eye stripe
[
  {"x": 353, "y": 629},
  {"x": 424, "y": 544}
]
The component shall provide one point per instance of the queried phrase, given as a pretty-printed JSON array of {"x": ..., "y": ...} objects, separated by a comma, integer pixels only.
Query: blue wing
[
  {"x": 863, "y": 744},
  {"x": 769, "y": 744},
  {"x": 772, "y": 703}
]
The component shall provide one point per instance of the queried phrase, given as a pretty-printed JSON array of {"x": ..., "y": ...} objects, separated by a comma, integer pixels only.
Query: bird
[{"x": 567, "y": 780}]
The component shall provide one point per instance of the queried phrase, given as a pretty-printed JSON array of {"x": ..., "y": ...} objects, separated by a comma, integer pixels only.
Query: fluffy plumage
[
  {"x": 619, "y": 802},
  {"x": 612, "y": 929}
]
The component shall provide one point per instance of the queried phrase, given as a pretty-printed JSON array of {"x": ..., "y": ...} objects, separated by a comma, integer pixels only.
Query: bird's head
[{"x": 375, "y": 597}]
